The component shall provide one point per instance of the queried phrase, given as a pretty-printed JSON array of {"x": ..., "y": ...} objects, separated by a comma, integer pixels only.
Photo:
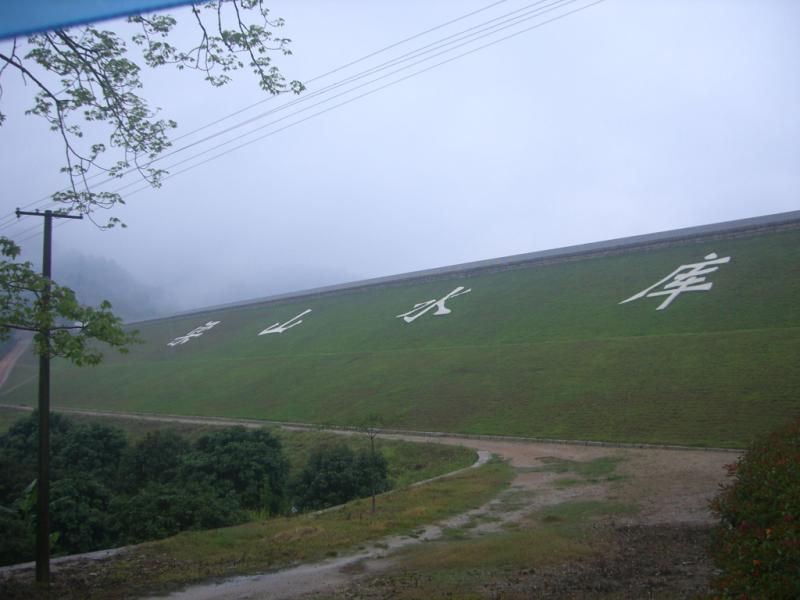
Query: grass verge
[
  {"x": 408, "y": 462},
  {"x": 256, "y": 547},
  {"x": 592, "y": 471},
  {"x": 462, "y": 567}
]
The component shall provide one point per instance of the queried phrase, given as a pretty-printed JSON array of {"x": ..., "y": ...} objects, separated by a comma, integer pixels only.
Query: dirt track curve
[{"x": 670, "y": 487}]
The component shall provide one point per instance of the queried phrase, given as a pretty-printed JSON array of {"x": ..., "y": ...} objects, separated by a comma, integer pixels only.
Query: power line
[
  {"x": 398, "y": 60},
  {"x": 471, "y": 38},
  {"x": 474, "y": 37},
  {"x": 350, "y": 64},
  {"x": 48, "y": 199},
  {"x": 370, "y": 92}
]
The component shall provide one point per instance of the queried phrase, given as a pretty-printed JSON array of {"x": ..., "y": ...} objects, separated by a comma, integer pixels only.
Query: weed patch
[
  {"x": 284, "y": 541},
  {"x": 599, "y": 470},
  {"x": 459, "y": 566}
]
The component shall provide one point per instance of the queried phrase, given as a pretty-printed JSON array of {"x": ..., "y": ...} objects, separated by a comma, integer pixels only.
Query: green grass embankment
[{"x": 544, "y": 351}]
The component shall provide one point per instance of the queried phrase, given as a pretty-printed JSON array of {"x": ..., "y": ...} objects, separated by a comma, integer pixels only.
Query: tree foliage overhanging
[
  {"x": 88, "y": 86},
  {"x": 62, "y": 326}
]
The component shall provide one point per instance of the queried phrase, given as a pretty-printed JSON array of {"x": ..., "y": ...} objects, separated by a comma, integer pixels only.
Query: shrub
[
  {"x": 757, "y": 542},
  {"x": 249, "y": 462},
  {"x": 162, "y": 510},
  {"x": 157, "y": 458},
  {"x": 105, "y": 492},
  {"x": 18, "y": 540},
  {"x": 88, "y": 450},
  {"x": 78, "y": 513},
  {"x": 335, "y": 474}
]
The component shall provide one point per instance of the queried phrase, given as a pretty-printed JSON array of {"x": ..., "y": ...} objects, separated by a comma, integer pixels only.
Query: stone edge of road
[{"x": 233, "y": 421}]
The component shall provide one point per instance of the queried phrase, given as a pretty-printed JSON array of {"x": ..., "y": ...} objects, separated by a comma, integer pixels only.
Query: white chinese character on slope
[
  {"x": 278, "y": 328},
  {"x": 423, "y": 307},
  {"x": 197, "y": 332},
  {"x": 686, "y": 278}
]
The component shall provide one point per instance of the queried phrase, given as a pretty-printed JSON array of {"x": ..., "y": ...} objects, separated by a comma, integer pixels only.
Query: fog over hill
[
  {"x": 97, "y": 278},
  {"x": 597, "y": 126}
]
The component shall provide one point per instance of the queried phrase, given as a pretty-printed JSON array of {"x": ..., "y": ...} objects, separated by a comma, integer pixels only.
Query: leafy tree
[
  {"x": 249, "y": 462},
  {"x": 18, "y": 452},
  {"x": 157, "y": 458},
  {"x": 335, "y": 474},
  {"x": 374, "y": 470},
  {"x": 79, "y": 514},
  {"x": 329, "y": 478},
  {"x": 84, "y": 76},
  {"x": 88, "y": 91},
  {"x": 16, "y": 523},
  {"x": 85, "y": 464},
  {"x": 370, "y": 426},
  {"x": 63, "y": 327},
  {"x": 18, "y": 539},
  {"x": 107, "y": 493},
  {"x": 161, "y": 510},
  {"x": 90, "y": 451}
]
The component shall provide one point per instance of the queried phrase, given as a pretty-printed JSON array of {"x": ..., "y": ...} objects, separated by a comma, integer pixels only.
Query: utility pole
[{"x": 43, "y": 478}]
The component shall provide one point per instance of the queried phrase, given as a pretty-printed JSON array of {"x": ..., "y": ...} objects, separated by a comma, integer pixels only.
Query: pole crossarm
[
  {"x": 43, "y": 479},
  {"x": 53, "y": 214}
]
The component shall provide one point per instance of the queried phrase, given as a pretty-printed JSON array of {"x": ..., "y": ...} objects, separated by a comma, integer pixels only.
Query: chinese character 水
[{"x": 423, "y": 307}]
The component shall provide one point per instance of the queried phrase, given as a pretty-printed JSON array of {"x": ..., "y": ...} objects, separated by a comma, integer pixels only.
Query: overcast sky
[{"x": 628, "y": 117}]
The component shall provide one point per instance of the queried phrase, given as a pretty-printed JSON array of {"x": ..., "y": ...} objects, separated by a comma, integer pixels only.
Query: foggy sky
[{"x": 626, "y": 118}]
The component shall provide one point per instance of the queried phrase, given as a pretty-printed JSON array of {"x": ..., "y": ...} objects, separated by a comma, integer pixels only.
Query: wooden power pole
[{"x": 43, "y": 478}]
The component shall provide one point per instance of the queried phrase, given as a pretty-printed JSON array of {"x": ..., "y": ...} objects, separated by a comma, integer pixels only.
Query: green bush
[
  {"x": 162, "y": 510},
  {"x": 78, "y": 513},
  {"x": 248, "y": 461},
  {"x": 757, "y": 542},
  {"x": 157, "y": 458},
  {"x": 106, "y": 492},
  {"x": 335, "y": 474},
  {"x": 18, "y": 540}
]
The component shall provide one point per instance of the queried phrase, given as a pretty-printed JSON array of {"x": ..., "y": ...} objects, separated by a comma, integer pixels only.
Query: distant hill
[{"x": 541, "y": 345}]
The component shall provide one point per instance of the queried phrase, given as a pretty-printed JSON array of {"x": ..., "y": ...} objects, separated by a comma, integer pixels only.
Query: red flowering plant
[{"x": 756, "y": 544}]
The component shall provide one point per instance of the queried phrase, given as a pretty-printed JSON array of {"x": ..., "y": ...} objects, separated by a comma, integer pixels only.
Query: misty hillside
[
  {"x": 546, "y": 350},
  {"x": 95, "y": 279}
]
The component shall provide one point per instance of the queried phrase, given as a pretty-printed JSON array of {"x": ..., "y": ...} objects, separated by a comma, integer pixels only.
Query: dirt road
[{"x": 670, "y": 487}]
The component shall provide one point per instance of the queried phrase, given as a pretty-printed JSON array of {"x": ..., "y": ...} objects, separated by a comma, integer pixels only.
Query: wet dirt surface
[
  {"x": 650, "y": 552},
  {"x": 656, "y": 552},
  {"x": 671, "y": 488}
]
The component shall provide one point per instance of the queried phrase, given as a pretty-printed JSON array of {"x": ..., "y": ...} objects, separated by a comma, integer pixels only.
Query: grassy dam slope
[{"x": 543, "y": 349}]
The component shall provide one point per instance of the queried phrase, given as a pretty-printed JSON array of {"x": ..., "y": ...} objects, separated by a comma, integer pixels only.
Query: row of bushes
[
  {"x": 107, "y": 492},
  {"x": 757, "y": 542}
]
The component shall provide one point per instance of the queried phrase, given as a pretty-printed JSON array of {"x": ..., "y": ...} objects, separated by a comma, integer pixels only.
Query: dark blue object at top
[{"x": 21, "y": 17}]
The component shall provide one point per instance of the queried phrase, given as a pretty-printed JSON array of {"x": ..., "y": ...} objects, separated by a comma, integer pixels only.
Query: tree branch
[{"x": 17, "y": 65}]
